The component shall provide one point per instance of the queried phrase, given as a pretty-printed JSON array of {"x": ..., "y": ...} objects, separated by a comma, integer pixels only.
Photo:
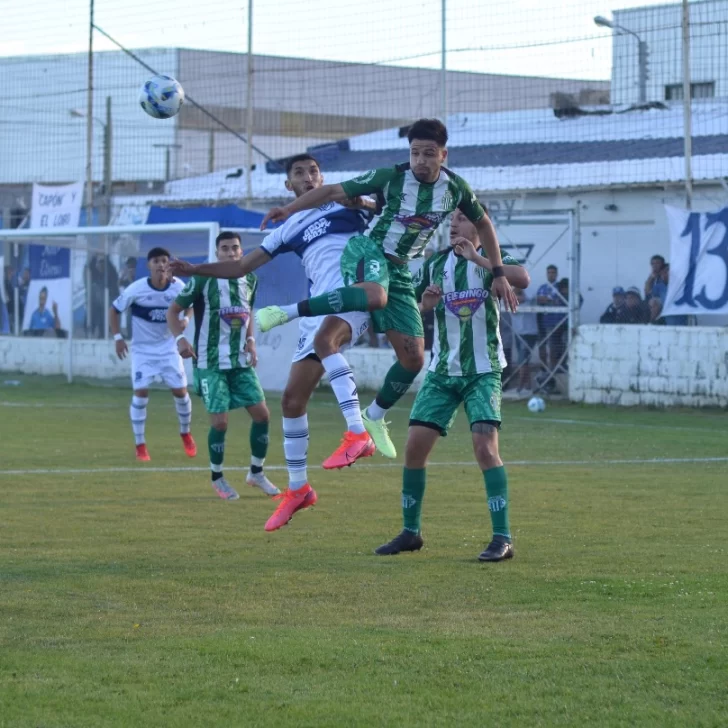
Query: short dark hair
[
  {"x": 658, "y": 257},
  {"x": 552, "y": 267},
  {"x": 300, "y": 158},
  {"x": 428, "y": 129},
  {"x": 227, "y": 235},
  {"x": 42, "y": 291},
  {"x": 156, "y": 253}
]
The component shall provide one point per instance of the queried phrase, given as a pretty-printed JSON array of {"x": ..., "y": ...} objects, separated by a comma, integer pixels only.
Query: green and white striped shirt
[
  {"x": 222, "y": 311},
  {"x": 412, "y": 210},
  {"x": 467, "y": 339}
]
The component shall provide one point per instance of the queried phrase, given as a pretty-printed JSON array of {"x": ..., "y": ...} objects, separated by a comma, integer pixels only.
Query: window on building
[{"x": 702, "y": 90}]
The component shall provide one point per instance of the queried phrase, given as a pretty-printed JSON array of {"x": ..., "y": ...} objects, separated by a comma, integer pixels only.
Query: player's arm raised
[
  {"x": 516, "y": 275},
  {"x": 224, "y": 269},
  {"x": 308, "y": 201}
]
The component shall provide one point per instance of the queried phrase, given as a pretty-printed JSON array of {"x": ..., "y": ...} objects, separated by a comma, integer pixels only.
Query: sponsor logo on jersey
[
  {"x": 420, "y": 223},
  {"x": 464, "y": 304},
  {"x": 158, "y": 315},
  {"x": 235, "y": 316},
  {"x": 316, "y": 230}
]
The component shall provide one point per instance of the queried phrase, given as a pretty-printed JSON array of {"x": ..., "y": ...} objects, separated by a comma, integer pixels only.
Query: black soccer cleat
[
  {"x": 406, "y": 541},
  {"x": 498, "y": 550}
]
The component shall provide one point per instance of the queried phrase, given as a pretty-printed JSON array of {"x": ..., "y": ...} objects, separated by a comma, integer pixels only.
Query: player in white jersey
[
  {"x": 319, "y": 238},
  {"x": 153, "y": 349}
]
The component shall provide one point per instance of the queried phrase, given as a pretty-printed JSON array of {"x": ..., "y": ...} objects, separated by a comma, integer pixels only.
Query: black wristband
[{"x": 498, "y": 271}]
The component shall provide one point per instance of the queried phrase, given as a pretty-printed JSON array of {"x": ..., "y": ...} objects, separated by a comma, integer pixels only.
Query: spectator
[
  {"x": 635, "y": 309},
  {"x": 10, "y": 283},
  {"x": 654, "y": 285},
  {"x": 525, "y": 336},
  {"x": 42, "y": 319},
  {"x": 680, "y": 320},
  {"x": 548, "y": 295},
  {"x": 23, "y": 294},
  {"x": 128, "y": 274},
  {"x": 100, "y": 276},
  {"x": 611, "y": 314},
  {"x": 655, "y": 305}
]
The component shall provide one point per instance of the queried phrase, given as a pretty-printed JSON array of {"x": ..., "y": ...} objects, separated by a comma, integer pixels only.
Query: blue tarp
[{"x": 281, "y": 281}]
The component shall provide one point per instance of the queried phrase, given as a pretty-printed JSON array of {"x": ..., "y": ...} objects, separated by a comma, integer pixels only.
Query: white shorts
[
  {"x": 168, "y": 369},
  {"x": 308, "y": 327}
]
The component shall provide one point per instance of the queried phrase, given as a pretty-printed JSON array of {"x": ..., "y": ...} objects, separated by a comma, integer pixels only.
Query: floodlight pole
[
  {"x": 89, "y": 120},
  {"x": 687, "y": 106},
  {"x": 443, "y": 63},
  {"x": 249, "y": 111}
]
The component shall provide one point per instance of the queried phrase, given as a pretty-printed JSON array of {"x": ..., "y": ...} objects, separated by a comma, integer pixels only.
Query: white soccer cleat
[{"x": 258, "y": 480}]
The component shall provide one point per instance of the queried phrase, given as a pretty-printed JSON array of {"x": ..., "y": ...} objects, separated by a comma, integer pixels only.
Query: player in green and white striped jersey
[
  {"x": 466, "y": 366},
  {"x": 224, "y": 362},
  {"x": 414, "y": 199}
]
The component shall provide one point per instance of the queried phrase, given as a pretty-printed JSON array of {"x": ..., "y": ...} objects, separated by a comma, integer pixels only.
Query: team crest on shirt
[
  {"x": 448, "y": 201},
  {"x": 464, "y": 304},
  {"x": 235, "y": 316}
]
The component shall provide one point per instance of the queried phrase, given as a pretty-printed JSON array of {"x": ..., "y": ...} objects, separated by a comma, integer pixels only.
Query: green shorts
[
  {"x": 363, "y": 261},
  {"x": 229, "y": 389},
  {"x": 439, "y": 397}
]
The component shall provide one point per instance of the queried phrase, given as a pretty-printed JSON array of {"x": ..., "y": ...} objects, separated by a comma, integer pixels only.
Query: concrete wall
[
  {"x": 650, "y": 365},
  {"x": 96, "y": 359}
]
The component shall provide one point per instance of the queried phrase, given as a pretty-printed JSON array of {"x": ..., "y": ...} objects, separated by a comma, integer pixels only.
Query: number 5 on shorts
[{"x": 204, "y": 387}]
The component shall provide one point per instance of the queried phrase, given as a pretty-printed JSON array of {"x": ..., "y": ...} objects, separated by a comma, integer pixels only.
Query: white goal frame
[{"x": 44, "y": 236}]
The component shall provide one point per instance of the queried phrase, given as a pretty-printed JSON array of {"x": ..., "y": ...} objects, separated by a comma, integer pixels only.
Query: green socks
[
  {"x": 338, "y": 301},
  {"x": 413, "y": 491},
  {"x": 396, "y": 384},
  {"x": 216, "y": 446},
  {"x": 258, "y": 445},
  {"x": 496, "y": 488}
]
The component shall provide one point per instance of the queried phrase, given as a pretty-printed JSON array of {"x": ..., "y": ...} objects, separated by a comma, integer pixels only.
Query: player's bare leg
[
  {"x": 356, "y": 443},
  {"x": 410, "y": 351},
  {"x": 138, "y": 417},
  {"x": 366, "y": 296},
  {"x": 183, "y": 405},
  {"x": 302, "y": 381},
  {"x": 420, "y": 442},
  {"x": 216, "y": 446},
  {"x": 485, "y": 446},
  {"x": 256, "y": 478}
]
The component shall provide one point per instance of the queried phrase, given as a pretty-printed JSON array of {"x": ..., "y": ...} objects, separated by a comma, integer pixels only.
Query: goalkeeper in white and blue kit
[{"x": 154, "y": 354}]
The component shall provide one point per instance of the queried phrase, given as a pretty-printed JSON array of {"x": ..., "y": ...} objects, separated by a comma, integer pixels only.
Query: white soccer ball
[
  {"x": 162, "y": 97},
  {"x": 536, "y": 404}
]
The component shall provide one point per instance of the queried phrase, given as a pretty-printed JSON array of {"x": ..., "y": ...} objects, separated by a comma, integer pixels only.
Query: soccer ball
[
  {"x": 162, "y": 97},
  {"x": 536, "y": 404}
]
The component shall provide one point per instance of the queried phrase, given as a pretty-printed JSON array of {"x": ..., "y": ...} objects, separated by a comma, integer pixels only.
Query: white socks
[
  {"x": 291, "y": 311},
  {"x": 295, "y": 447},
  {"x": 183, "y": 406},
  {"x": 138, "y": 417},
  {"x": 375, "y": 412},
  {"x": 344, "y": 386}
]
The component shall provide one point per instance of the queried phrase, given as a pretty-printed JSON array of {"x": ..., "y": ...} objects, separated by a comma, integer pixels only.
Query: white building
[
  {"x": 297, "y": 103},
  {"x": 660, "y": 27}
]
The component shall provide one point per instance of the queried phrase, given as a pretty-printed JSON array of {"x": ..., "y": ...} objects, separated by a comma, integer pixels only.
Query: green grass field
[{"x": 130, "y": 595}]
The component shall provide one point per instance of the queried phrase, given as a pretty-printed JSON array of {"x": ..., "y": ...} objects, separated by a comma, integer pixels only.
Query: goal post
[{"x": 64, "y": 281}]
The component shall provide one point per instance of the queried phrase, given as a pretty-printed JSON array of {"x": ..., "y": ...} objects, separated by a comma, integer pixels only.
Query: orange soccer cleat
[
  {"x": 352, "y": 448},
  {"x": 189, "y": 444},
  {"x": 142, "y": 453},
  {"x": 290, "y": 502}
]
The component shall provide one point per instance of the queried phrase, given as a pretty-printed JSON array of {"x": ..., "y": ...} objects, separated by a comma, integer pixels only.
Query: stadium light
[
  {"x": 107, "y": 126},
  {"x": 603, "y": 22}
]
